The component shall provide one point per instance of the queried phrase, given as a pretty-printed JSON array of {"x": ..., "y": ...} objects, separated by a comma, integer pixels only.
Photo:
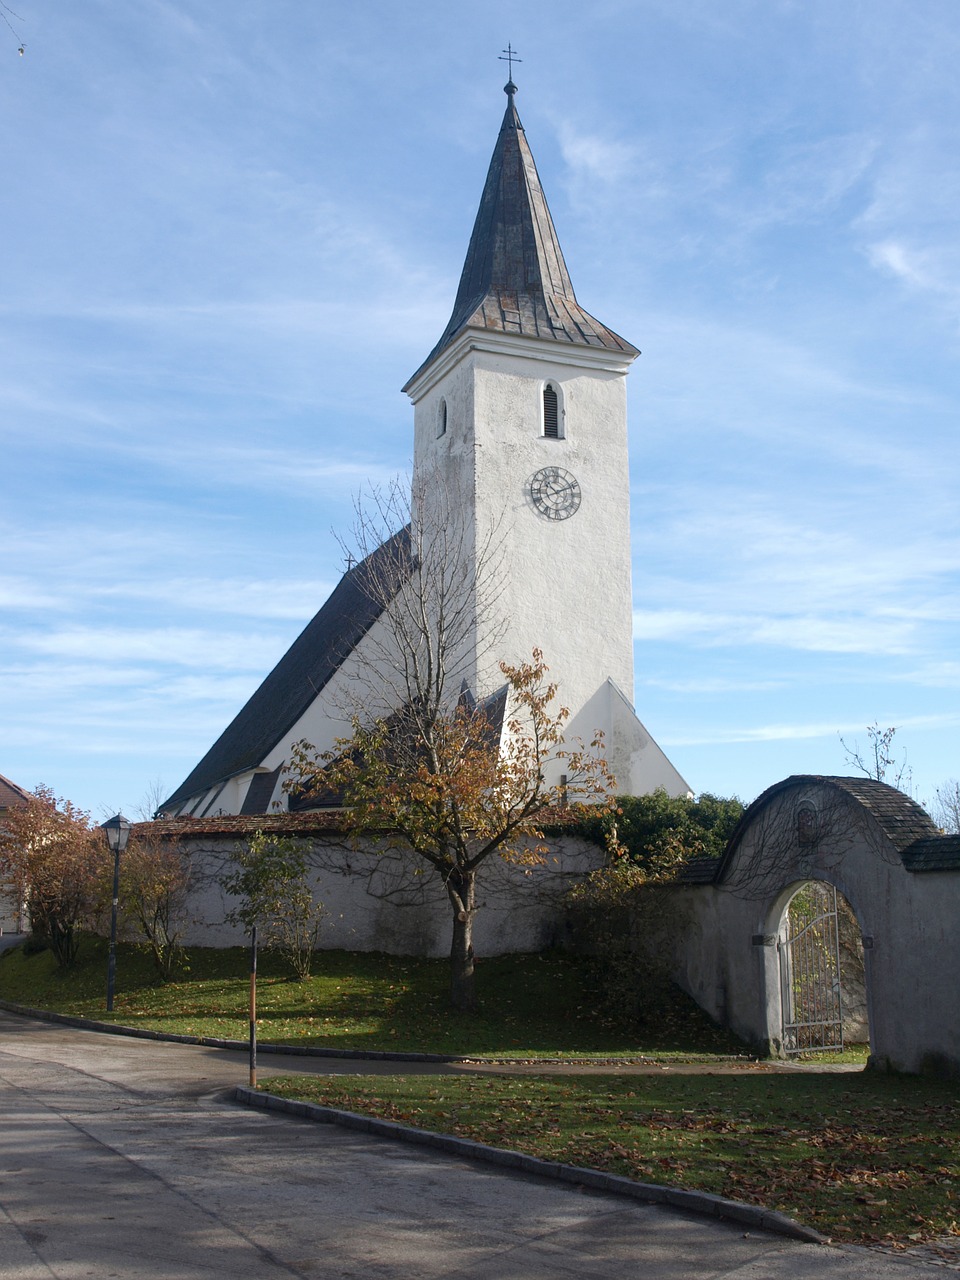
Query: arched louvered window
[
  {"x": 442, "y": 418},
  {"x": 551, "y": 413}
]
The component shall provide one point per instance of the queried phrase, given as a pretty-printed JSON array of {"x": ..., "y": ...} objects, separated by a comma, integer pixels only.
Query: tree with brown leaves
[
  {"x": 154, "y": 882},
  {"x": 452, "y": 789},
  {"x": 51, "y": 852}
]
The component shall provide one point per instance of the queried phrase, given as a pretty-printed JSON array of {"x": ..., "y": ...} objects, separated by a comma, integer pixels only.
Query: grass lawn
[
  {"x": 864, "y": 1158},
  {"x": 533, "y": 1006}
]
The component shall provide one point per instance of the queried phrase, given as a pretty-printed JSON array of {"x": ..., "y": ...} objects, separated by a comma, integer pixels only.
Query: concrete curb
[{"x": 699, "y": 1202}]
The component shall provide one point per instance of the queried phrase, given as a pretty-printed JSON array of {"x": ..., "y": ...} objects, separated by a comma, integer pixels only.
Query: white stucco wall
[
  {"x": 375, "y": 903},
  {"x": 563, "y": 586},
  {"x": 566, "y": 585},
  {"x": 638, "y": 764},
  {"x": 10, "y": 917}
]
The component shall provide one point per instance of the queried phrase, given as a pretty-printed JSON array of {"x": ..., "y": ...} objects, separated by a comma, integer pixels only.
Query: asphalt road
[{"x": 126, "y": 1158}]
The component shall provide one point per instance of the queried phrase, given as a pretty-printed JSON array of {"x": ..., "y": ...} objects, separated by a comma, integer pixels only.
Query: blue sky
[{"x": 232, "y": 231}]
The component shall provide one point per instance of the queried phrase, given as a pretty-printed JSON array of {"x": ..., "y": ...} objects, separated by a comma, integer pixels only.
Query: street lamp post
[{"x": 118, "y": 832}]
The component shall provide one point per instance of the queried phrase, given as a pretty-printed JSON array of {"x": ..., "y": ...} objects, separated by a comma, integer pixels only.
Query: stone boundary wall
[{"x": 379, "y": 900}]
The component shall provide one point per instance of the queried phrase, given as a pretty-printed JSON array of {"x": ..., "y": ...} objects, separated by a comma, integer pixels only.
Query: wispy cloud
[
  {"x": 711, "y": 684},
  {"x": 914, "y": 267},
  {"x": 795, "y": 182},
  {"x": 240, "y": 596},
  {"x": 792, "y": 631},
  {"x": 599, "y": 165},
  {"x": 935, "y": 674},
  {"x": 177, "y": 646},
  {"x": 22, "y": 593},
  {"x": 792, "y": 732},
  {"x": 909, "y": 227}
]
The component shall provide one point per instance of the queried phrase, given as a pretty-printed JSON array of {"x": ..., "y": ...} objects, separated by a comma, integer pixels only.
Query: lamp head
[{"x": 118, "y": 832}]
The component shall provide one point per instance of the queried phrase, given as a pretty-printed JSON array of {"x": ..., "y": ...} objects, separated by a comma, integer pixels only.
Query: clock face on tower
[{"x": 554, "y": 493}]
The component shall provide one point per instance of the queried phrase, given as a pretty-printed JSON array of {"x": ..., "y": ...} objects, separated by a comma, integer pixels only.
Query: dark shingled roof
[
  {"x": 901, "y": 819},
  {"x": 10, "y": 793},
  {"x": 935, "y": 853},
  {"x": 300, "y": 675},
  {"x": 702, "y": 870},
  {"x": 514, "y": 278},
  {"x": 241, "y": 826}
]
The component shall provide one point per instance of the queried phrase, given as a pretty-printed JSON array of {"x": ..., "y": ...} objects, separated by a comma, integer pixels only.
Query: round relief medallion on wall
[{"x": 555, "y": 493}]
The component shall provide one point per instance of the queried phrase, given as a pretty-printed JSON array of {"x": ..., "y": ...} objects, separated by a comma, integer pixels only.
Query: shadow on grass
[{"x": 531, "y": 1005}]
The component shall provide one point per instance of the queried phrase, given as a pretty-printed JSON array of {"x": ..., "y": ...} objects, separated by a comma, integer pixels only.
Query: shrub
[
  {"x": 154, "y": 881},
  {"x": 660, "y": 832},
  {"x": 269, "y": 877},
  {"x": 621, "y": 916}
]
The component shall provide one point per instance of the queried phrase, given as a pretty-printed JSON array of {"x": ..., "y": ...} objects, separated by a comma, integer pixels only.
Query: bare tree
[
  {"x": 451, "y": 791},
  {"x": 153, "y": 797},
  {"x": 437, "y": 584},
  {"x": 878, "y": 760},
  {"x": 946, "y": 807}
]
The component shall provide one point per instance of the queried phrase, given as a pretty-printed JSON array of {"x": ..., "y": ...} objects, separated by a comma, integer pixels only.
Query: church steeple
[{"x": 514, "y": 278}]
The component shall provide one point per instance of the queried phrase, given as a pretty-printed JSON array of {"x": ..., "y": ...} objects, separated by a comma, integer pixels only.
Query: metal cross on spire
[{"x": 509, "y": 56}]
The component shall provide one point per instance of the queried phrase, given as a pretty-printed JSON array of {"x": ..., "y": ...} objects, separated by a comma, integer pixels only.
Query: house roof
[
  {"x": 310, "y": 662},
  {"x": 900, "y": 818},
  {"x": 514, "y": 278},
  {"x": 10, "y": 793}
]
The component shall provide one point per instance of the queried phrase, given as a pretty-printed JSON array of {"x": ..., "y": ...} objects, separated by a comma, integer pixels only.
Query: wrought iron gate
[{"x": 809, "y": 950}]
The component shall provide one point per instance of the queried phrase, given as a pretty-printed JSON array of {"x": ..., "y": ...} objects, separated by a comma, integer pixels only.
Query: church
[{"x": 520, "y": 490}]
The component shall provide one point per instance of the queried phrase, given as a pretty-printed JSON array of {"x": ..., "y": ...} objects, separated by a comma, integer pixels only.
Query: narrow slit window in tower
[{"x": 551, "y": 414}]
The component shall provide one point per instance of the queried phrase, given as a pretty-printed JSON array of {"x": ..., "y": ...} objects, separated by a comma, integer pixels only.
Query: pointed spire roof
[{"x": 514, "y": 278}]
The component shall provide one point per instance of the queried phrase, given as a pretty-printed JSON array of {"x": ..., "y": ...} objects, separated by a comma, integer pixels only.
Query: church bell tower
[
  {"x": 520, "y": 420},
  {"x": 520, "y": 451}
]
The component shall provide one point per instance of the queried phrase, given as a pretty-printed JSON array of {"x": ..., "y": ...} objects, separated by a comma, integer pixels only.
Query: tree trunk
[{"x": 463, "y": 994}]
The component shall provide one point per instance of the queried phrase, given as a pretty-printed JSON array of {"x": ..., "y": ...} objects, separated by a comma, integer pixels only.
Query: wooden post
[{"x": 253, "y": 1007}]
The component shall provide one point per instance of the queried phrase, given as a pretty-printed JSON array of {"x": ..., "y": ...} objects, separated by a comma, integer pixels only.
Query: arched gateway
[{"x": 776, "y": 975}]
